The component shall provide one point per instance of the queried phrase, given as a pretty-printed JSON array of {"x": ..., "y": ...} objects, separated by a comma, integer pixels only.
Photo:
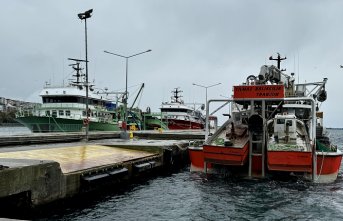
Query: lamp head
[{"x": 85, "y": 15}]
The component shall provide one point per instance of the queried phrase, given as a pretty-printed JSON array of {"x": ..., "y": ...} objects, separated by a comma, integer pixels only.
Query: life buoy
[{"x": 85, "y": 121}]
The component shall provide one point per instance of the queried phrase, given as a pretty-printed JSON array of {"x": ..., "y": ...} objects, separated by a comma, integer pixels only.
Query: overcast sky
[{"x": 192, "y": 41}]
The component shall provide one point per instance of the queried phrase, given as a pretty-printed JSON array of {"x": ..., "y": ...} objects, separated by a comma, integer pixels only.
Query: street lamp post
[
  {"x": 126, "y": 80},
  {"x": 84, "y": 16},
  {"x": 206, "y": 87}
]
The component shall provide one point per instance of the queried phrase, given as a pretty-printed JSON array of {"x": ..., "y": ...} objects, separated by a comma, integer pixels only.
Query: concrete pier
[
  {"x": 39, "y": 138},
  {"x": 36, "y": 175}
]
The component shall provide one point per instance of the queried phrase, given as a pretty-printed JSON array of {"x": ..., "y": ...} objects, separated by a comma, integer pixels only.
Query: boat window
[
  {"x": 280, "y": 121},
  {"x": 60, "y": 99},
  {"x": 54, "y": 113},
  {"x": 173, "y": 110},
  {"x": 83, "y": 113},
  {"x": 47, "y": 113},
  {"x": 67, "y": 112},
  {"x": 61, "y": 112},
  {"x": 289, "y": 123}
]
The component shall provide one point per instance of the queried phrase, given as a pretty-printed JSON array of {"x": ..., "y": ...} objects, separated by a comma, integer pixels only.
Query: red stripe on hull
[
  {"x": 182, "y": 125},
  {"x": 291, "y": 161}
]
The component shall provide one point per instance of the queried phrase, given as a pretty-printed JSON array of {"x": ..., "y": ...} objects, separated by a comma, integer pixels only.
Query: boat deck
[
  {"x": 298, "y": 145},
  {"x": 78, "y": 158}
]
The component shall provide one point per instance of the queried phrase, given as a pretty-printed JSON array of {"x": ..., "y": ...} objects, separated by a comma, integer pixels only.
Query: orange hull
[
  {"x": 232, "y": 156},
  {"x": 292, "y": 161},
  {"x": 328, "y": 164},
  {"x": 196, "y": 156}
]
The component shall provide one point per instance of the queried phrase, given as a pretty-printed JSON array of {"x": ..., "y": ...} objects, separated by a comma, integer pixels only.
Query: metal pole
[
  {"x": 87, "y": 126},
  {"x": 207, "y": 124},
  {"x": 313, "y": 129},
  {"x": 206, "y": 121},
  {"x": 124, "y": 134},
  {"x": 84, "y": 16},
  {"x": 252, "y": 103},
  {"x": 206, "y": 97},
  {"x": 264, "y": 136},
  {"x": 126, "y": 95}
]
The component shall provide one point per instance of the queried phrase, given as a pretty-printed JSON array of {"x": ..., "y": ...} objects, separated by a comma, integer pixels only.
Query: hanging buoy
[{"x": 85, "y": 121}]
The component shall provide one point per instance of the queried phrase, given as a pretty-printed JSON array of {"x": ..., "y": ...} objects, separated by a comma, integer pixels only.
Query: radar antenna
[{"x": 278, "y": 59}]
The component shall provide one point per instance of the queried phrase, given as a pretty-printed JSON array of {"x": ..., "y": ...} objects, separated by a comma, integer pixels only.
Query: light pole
[
  {"x": 206, "y": 87},
  {"x": 126, "y": 76},
  {"x": 84, "y": 16}
]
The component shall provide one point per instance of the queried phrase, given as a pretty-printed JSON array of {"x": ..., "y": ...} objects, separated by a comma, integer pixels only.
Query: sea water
[
  {"x": 183, "y": 195},
  {"x": 13, "y": 129}
]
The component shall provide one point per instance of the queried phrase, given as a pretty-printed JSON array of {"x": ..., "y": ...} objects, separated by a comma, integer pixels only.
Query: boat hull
[
  {"x": 291, "y": 161},
  {"x": 328, "y": 164},
  {"x": 196, "y": 156},
  {"x": 231, "y": 156},
  {"x": 50, "y": 124},
  {"x": 174, "y": 124}
]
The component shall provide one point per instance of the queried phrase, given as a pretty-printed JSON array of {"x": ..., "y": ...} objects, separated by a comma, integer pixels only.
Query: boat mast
[
  {"x": 278, "y": 59},
  {"x": 78, "y": 70},
  {"x": 78, "y": 74},
  {"x": 176, "y": 96}
]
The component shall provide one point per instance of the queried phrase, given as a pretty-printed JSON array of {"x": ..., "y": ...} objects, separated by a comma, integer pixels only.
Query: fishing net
[{"x": 325, "y": 148}]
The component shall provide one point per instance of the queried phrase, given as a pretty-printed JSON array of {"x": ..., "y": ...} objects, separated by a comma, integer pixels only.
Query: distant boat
[
  {"x": 176, "y": 115},
  {"x": 64, "y": 109}
]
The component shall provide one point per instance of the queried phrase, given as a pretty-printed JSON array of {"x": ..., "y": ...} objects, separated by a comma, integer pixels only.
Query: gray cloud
[{"x": 202, "y": 42}]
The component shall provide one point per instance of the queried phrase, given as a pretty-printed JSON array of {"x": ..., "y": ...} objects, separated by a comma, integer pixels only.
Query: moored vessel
[
  {"x": 179, "y": 116},
  {"x": 63, "y": 109},
  {"x": 285, "y": 133}
]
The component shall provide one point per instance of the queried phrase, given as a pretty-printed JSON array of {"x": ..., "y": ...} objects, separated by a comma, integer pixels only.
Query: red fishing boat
[
  {"x": 275, "y": 127},
  {"x": 179, "y": 116}
]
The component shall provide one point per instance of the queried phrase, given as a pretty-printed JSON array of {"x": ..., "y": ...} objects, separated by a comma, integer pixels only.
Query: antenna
[
  {"x": 176, "y": 96},
  {"x": 278, "y": 59},
  {"x": 298, "y": 66},
  {"x": 77, "y": 68}
]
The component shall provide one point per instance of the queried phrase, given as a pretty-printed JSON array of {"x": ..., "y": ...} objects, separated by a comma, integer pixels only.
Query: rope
[{"x": 321, "y": 166}]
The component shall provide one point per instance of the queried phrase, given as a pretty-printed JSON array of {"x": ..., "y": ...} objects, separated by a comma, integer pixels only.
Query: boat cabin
[{"x": 285, "y": 128}]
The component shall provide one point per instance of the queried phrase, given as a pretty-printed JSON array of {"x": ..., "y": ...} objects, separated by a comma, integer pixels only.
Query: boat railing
[
  {"x": 64, "y": 105},
  {"x": 155, "y": 114},
  {"x": 75, "y": 105},
  {"x": 27, "y": 111}
]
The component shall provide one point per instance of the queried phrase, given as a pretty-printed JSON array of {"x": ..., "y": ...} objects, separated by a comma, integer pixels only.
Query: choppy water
[{"x": 191, "y": 196}]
